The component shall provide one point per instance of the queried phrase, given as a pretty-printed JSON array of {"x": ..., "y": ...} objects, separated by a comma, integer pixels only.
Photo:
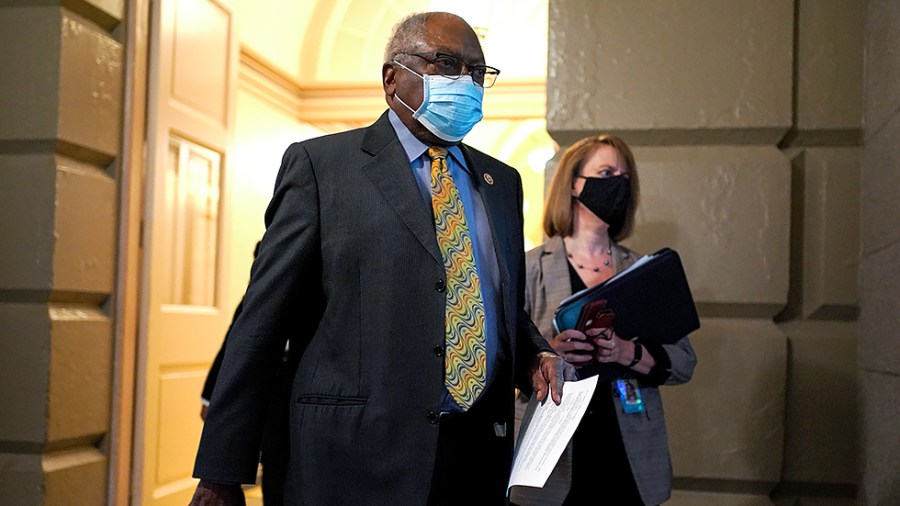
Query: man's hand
[
  {"x": 548, "y": 373},
  {"x": 218, "y": 494}
]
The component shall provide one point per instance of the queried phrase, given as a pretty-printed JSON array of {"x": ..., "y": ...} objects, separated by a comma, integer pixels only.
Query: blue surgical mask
[{"x": 450, "y": 107}]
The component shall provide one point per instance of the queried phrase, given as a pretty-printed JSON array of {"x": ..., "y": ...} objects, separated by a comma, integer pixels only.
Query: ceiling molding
[
  {"x": 258, "y": 77},
  {"x": 353, "y": 102}
]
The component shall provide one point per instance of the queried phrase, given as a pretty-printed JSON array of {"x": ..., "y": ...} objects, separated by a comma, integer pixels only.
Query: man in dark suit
[{"x": 395, "y": 269}]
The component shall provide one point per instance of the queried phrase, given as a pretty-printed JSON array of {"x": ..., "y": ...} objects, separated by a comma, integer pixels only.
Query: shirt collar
[{"x": 415, "y": 148}]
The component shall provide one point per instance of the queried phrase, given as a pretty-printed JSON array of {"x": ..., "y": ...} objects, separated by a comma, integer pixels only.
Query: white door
[{"x": 184, "y": 306}]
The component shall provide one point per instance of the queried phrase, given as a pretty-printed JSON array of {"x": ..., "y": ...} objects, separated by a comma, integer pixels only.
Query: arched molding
[{"x": 355, "y": 101}]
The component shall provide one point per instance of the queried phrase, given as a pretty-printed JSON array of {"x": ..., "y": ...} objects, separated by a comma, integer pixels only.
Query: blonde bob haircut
[{"x": 559, "y": 209}]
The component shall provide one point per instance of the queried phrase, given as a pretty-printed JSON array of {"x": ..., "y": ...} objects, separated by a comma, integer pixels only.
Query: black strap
[{"x": 638, "y": 353}]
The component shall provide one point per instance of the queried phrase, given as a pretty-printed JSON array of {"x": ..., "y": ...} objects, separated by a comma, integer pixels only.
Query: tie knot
[{"x": 437, "y": 153}]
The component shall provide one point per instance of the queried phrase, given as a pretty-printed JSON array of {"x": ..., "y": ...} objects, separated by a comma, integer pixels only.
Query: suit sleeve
[
  {"x": 282, "y": 301},
  {"x": 529, "y": 340},
  {"x": 682, "y": 361},
  {"x": 674, "y": 363},
  {"x": 210, "y": 384}
]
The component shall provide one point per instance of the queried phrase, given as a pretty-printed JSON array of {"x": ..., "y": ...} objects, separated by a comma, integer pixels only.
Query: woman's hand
[
  {"x": 609, "y": 348},
  {"x": 573, "y": 346}
]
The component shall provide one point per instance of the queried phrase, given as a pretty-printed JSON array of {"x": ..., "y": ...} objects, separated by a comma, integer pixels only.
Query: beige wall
[
  {"x": 879, "y": 355},
  {"x": 264, "y": 128},
  {"x": 60, "y": 93},
  {"x": 746, "y": 119}
]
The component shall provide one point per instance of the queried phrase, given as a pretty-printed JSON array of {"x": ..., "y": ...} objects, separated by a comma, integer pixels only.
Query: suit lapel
[
  {"x": 494, "y": 207},
  {"x": 389, "y": 171},
  {"x": 497, "y": 209},
  {"x": 555, "y": 271}
]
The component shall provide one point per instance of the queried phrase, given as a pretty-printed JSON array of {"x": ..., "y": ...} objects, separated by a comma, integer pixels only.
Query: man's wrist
[{"x": 210, "y": 492}]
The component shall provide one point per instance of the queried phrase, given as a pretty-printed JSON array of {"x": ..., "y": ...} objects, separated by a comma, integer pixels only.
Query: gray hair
[{"x": 406, "y": 35}]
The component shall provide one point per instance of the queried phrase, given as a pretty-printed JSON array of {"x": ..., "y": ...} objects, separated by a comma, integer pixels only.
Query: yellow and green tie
[{"x": 465, "y": 361}]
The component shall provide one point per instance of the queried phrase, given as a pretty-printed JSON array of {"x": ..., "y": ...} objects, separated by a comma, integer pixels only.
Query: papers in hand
[{"x": 546, "y": 430}]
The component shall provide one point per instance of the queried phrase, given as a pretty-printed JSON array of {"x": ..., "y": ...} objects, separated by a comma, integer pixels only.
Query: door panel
[
  {"x": 184, "y": 306},
  {"x": 202, "y": 29},
  {"x": 177, "y": 403}
]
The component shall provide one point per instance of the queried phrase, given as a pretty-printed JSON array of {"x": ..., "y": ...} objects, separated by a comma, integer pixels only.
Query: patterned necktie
[{"x": 465, "y": 362}]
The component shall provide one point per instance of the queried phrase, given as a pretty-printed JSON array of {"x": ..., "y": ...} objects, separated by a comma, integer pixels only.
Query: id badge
[{"x": 630, "y": 394}]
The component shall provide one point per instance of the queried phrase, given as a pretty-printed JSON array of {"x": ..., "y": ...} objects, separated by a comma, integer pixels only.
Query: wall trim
[
  {"x": 361, "y": 102},
  {"x": 259, "y": 77},
  {"x": 131, "y": 169}
]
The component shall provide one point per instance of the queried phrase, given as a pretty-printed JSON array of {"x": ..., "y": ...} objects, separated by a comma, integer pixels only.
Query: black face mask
[{"x": 608, "y": 198}]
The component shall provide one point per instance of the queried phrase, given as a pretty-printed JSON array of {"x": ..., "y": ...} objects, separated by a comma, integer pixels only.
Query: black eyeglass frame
[{"x": 483, "y": 75}]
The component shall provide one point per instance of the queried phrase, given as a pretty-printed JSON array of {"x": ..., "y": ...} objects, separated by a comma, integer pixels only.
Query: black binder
[{"x": 651, "y": 303}]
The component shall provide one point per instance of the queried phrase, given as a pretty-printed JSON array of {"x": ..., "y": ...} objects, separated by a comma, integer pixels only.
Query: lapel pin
[{"x": 488, "y": 179}]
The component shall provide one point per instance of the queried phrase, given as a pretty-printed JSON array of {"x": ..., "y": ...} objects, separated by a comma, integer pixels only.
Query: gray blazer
[{"x": 644, "y": 435}]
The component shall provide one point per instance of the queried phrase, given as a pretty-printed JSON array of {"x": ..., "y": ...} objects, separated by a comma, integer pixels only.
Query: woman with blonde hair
[{"x": 619, "y": 455}]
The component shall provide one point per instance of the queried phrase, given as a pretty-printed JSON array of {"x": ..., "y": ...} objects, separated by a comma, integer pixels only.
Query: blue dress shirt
[{"x": 479, "y": 229}]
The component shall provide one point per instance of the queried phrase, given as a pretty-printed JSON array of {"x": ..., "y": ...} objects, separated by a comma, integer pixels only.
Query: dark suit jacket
[
  {"x": 274, "y": 446},
  {"x": 349, "y": 270},
  {"x": 210, "y": 384}
]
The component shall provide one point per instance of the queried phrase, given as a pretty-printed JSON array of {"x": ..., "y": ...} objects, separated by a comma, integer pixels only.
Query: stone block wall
[
  {"x": 61, "y": 96},
  {"x": 879, "y": 332},
  {"x": 746, "y": 119}
]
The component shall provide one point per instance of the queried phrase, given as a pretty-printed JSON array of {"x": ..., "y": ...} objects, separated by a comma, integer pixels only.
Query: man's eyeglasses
[{"x": 452, "y": 67}]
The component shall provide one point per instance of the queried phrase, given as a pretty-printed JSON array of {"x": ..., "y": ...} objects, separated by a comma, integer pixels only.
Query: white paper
[
  {"x": 640, "y": 261},
  {"x": 546, "y": 430}
]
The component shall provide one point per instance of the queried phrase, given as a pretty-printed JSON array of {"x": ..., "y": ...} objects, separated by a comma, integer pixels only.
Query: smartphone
[{"x": 595, "y": 315}]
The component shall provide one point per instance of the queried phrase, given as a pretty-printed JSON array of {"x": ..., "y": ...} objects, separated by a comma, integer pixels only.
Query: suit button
[
  {"x": 439, "y": 286},
  {"x": 439, "y": 350},
  {"x": 432, "y": 417}
]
